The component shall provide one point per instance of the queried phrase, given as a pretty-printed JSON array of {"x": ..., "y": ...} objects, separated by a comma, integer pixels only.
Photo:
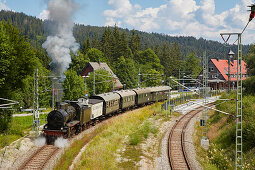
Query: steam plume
[
  {"x": 61, "y": 142},
  {"x": 59, "y": 44},
  {"x": 40, "y": 141}
]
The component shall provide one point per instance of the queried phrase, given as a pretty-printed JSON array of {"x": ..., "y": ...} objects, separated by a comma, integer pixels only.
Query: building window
[{"x": 214, "y": 75}]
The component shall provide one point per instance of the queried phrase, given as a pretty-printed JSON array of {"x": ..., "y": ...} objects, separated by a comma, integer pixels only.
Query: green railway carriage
[
  {"x": 111, "y": 102},
  {"x": 127, "y": 98},
  {"x": 160, "y": 93},
  {"x": 143, "y": 95}
]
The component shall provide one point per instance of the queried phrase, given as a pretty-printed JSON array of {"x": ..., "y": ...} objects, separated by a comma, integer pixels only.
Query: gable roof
[
  {"x": 98, "y": 65},
  {"x": 222, "y": 66},
  {"x": 104, "y": 66}
]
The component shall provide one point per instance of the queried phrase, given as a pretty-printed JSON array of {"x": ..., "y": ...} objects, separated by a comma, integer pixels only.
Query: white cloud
[
  {"x": 44, "y": 15},
  {"x": 3, "y": 6},
  {"x": 182, "y": 17}
]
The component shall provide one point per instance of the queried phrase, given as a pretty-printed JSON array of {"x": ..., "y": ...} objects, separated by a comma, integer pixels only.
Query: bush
[
  {"x": 5, "y": 118},
  {"x": 216, "y": 157},
  {"x": 142, "y": 132},
  {"x": 249, "y": 85}
]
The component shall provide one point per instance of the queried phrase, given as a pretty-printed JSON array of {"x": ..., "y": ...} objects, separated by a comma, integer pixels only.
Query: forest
[{"x": 126, "y": 52}]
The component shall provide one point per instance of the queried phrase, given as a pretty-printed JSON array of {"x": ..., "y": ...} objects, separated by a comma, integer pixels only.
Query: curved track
[
  {"x": 176, "y": 147},
  {"x": 40, "y": 157}
]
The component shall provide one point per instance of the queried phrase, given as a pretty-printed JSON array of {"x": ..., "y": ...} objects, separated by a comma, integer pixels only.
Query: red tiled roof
[{"x": 222, "y": 66}]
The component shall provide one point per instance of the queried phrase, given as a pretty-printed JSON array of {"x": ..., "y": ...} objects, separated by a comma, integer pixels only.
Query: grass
[
  {"x": 221, "y": 153},
  {"x": 202, "y": 156},
  {"x": 66, "y": 159},
  {"x": 103, "y": 148},
  {"x": 124, "y": 131},
  {"x": 142, "y": 133},
  {"x": 19, "y": 127}
]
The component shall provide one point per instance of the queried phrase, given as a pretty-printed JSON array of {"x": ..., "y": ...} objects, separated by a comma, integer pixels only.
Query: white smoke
[
  {"x": 40, "y": 141},
  {"x": 58, "y": 45},
  {"x": 61, "y": 142}
]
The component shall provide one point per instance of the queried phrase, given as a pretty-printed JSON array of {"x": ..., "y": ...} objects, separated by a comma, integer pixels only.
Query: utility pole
[
  {"x": 36, "y": 123},
  {"x": 183, "y": 87},
  {"x": 94, "y": 82},
  {"x": 53, "y": 93},
  {"x": 239, "y": 111},
  {"x": 139, "y": 78},
  {"x": 228, "y": 75},
  {"x": 204, "y": 140},
  {"x": 179, "y": 80},
  {"x": 169, "y": 97},
  {"x": 239, "y": 115},
  {"x": 112, "y": 83},
  {"x": 217, "y": 75}
]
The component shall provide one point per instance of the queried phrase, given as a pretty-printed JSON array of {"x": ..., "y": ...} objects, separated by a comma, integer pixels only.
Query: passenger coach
[
  {"x": 127, "y": 98},
  {"x": 160, "y": 93},
  {"x": 111, "y": 102},
  {"x": 143, "y": 95}
]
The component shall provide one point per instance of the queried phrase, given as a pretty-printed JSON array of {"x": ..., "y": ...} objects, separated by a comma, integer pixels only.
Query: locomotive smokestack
[{"x": 57, "y": 105}]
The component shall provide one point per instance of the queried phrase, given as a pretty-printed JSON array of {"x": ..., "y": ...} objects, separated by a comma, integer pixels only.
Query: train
[{"x": 71, "y": 117}]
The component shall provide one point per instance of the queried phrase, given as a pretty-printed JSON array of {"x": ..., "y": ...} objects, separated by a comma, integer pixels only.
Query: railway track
[
  {"x": 176, "y": 143},
  {"x": 38, "y": 159}
]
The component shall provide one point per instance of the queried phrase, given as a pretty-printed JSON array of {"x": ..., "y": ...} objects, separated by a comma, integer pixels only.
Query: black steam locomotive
[{"x": 71, "y": 117}]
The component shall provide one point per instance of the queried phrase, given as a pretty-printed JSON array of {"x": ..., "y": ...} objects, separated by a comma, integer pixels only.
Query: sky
[{"x": 198, "y": 18}]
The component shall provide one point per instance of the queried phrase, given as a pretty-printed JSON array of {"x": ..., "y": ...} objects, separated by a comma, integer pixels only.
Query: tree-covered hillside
[
  {"x": 37, "y": 31},
  {"x": 154, "y": 56}
]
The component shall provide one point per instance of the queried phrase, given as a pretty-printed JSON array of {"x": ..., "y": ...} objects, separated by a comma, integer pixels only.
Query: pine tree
[
  {"x": 106, "y": 44},
  {"x": 96, "y": 43},
  {"x": 165, "y": 59},
  {"x": 176, "y": 59}
]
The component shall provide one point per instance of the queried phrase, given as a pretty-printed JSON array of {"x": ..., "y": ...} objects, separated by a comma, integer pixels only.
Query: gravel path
[{"x": 162, "y": 162}]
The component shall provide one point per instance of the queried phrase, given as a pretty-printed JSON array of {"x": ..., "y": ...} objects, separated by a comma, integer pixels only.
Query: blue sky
[{"x": 199, "y": 18}]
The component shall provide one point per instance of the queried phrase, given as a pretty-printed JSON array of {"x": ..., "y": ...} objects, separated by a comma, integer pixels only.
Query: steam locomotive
[{"x": 72, "y": 117}]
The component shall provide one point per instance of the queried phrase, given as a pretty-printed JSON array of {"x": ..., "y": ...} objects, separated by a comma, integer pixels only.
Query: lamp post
[
  {"x": 85, "y": 92},
  {"x": 183, "y": 87},
  {"x": 169, "y": 97},
  {"x": 139, "y": 74},
  {"x": 230, "y": 58}
]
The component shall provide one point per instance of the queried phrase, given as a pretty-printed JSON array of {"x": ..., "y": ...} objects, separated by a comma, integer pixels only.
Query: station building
[{"x": 218, "y": 74}]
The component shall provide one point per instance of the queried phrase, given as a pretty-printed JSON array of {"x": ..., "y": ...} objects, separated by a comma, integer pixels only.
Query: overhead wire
[{"x": 242, "y": 31}]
